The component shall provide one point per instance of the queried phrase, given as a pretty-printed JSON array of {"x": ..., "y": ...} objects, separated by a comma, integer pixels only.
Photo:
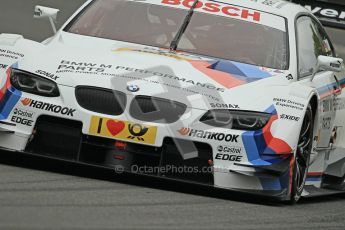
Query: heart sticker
[{"x": 115, "y": 127}]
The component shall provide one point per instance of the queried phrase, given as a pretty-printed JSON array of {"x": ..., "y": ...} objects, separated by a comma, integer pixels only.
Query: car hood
[{"x": 200, "y": 82}]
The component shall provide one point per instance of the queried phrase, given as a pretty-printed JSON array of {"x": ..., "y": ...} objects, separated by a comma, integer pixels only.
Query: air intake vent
[
  {"x": 101, "y": 100},
  {"x": 159, "y": 110}
]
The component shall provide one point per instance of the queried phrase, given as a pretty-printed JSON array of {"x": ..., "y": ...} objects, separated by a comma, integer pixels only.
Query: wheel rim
[{"x": 303, "y": 151}]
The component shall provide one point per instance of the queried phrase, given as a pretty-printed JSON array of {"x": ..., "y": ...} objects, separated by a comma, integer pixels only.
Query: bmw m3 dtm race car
[{"x": 242, "y": 95}]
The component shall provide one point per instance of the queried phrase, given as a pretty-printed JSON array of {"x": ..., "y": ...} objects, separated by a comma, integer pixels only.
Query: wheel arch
[
  {"x": 295, "y": 193},
  {"x": 313, "y": 101},
  {"x": 314, "y": 104}
]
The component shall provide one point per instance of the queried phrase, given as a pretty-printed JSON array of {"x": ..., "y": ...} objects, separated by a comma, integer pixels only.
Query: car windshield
[{"x": 207, "y": 34}]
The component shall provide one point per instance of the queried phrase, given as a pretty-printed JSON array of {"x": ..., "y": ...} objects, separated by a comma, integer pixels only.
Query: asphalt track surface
[{"x": 36, "y": 193}]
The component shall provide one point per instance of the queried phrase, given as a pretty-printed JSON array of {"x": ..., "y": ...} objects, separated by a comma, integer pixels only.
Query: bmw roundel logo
[{"x": 133, "y": 88}]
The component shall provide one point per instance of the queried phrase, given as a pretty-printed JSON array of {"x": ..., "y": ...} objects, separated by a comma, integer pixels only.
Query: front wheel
[{"x": 302, "y": 156}]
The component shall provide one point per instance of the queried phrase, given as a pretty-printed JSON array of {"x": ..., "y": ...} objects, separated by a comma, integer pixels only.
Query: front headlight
[
  {"x": 31, "y": 83},
  {"x": 232, "y": 119}
]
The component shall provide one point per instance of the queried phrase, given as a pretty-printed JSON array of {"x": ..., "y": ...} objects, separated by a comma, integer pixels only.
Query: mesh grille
[
  {"x": 56, "y": 137},
  {"x": 159, "y": 110},
  {"x": 101, "y": 100}
]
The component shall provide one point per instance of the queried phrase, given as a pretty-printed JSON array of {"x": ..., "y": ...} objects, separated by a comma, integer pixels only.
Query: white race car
[{"x": 241, "y": 95}]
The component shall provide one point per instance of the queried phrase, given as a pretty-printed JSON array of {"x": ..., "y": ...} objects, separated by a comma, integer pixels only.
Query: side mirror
[
  {"x": 46, "y": 12},
  {"x": 329, "y": 64}
]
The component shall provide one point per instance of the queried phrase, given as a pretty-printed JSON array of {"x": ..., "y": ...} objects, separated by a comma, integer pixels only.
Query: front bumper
[{"x": 74, "y": 136}]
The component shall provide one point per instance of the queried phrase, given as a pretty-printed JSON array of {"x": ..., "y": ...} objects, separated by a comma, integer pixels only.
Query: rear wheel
[{"x": 302, "y": 157}]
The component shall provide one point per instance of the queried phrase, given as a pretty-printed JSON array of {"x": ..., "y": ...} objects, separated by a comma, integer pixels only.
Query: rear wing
[{"x": 330, "y": 12}]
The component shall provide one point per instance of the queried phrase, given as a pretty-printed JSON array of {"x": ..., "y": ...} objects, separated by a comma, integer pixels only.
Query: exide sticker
[{"x": 289, "y": 117}]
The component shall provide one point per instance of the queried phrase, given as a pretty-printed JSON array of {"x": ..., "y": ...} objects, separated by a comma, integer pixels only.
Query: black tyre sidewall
[{"x": 295, "y": 194}]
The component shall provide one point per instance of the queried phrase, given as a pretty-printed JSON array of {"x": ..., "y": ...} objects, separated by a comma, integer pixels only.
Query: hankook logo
[
  {"x": 48, "y": 107},
  {"x": 208, "y": 135}
]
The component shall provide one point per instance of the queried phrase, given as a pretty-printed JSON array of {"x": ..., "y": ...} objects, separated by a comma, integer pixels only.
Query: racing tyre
[{"x": 302, "y": 157}]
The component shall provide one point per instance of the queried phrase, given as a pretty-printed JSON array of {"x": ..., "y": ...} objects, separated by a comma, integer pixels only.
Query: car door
[{"x": 312, "y": 41}]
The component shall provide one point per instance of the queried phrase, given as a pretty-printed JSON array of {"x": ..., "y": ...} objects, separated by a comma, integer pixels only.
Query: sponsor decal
[
  {"x": 228, "y": 157},
  {"x": 288, "y": 103},
  {"x": 328, "y": 105},
  {"x": 184, "y": 131},
  {"x": 38, "y": 12},
  {"x": 137, "y": 131},
  {"x": 23, "y": 113},
  {"x": 10, "y": 54},
  {"x": 339, "y": 103},
  {"x": 326, "y": 122},
  {"x": 48, "y": 107},
  {"x": 289, "y": 117},
  {"x": 133, "y": 88},
  {"x": 224, "y": 106},
  {"x": 289, "y": 77},
  {"x": 180, "y": 79},
  {"x": 81, "y": 67},
  {"x": 335, "y": 64},
  {"x": 47, "y": 74},
  {"x": 208, "y": 135},
  {"x": 229, "y": 149},
  {"x": 270, "y": 2},
  {"x": 214, "y": 7},
  {"x": 22, "y": 117},
  {"x": 145, "y": 75},
  {"x": 26, "y": 101},
  {"x": 3, "y": 66},
  {"x": 122, "y": 130},
  {"x": 22, "y": 121}
]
